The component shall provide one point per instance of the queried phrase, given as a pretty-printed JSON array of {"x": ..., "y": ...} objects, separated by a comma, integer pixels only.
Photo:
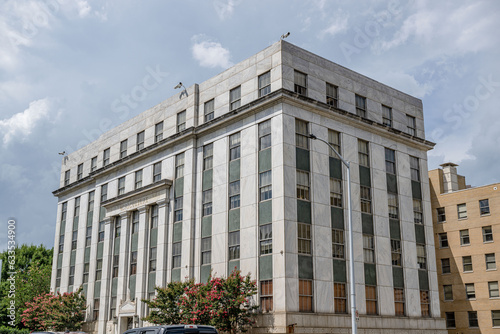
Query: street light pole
[{"x": 352, "y": 284}]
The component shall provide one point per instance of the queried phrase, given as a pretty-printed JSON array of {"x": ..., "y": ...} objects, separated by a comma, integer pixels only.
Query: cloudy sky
[{"x": 65, "y": 66}]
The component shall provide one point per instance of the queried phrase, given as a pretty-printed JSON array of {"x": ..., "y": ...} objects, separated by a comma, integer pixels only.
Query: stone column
[
  {"x": 106, "y": 276},
  {"x": 121, "y": 294},
  {"x": 161, "y": 250},
  {"x": 142, "y": 261}
]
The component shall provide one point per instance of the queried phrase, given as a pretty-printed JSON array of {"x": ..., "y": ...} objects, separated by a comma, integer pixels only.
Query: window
[
  {"x": 302, "y": 185},
  {"x": 96, "y": 308},
  {"x": 470, "y": 291},
  {"x": 76, "y": 211},
  {"x": 206, "y": 250},
  {"x": 154, "y": 216},
  {"x": 363, "y": 153},
  {"x": 135, "y": 222},
  {"x": 387, "y": 116},
  {"x": 234, "y": 146},
  {"x": 266, "y": 295},
  {"x": 66, "y": 177},
  {"x": 79, "y": 172},
  {"x": 209, "y": 110},
  {"x": 464, "y": 237},
  {"x": 338, "y": 251},
  {"x": 64, "y": 210},
  {"x": 396, "y": 252},
  {"x": 334, "y": 140},
  {"x": 304, "y": 238},
  {"x": 264, "y": 84},
  {"x": 441, "y": 215},
  {"x": 366, "y": 199},
  {"x": 181, "y": 121},
  {"x": 266, "y": 239},
  {"x": 121, "y": 185},
  {"x": 58, "y": 278},
  {"x": 467, "y": 263},
  {"x": 208, "y": 152},
  {"x": 74, "y": 240},
  {"x": 88, "y": 236},
  {"x": 392, "y": 202},
  {"x": 265, "y": 186},
  {"x": 98, "y": 270},
  {"x": 487, "y": 234},
  {"x": 100, "y": 236},
  {"x": 305, "y": 295},
  {"x": 340, "y": 298},
  {"x": 116, "y": 265},
  {"x": 104, "y": 192},
  {"x": 414, "y": 169},
  {"x": 390, "y": 161},
  {"x": 484, "y": 207},
  {"x": 473, "y": 323},
  {"x": 123, "y": 149},
  {"x": 234, "y": 245},
  {"x": 140, "y": 140},
  {"x": 264, "y": 135},
  {"x": 368, "y": 248},
  {"x": 234, "y": 194},
  {"x": 179, "y": 165},
  {"x": 138, "y": 179},
  {"x": 86, "y": 267},
  {"x": 207, "y": 202},
  {"x": 235, "y": 98},
  {"x": 417, "y": 211},
  {"x": 105, "y": 157},
  {"x": 490, "y": 261},
  {"x": 157, "y": 171},
  {"x": 71, "y": 278},
  {"x": 61, "y": 243},
  {"x": 443, "y": 240},
  {"x": 448, "y": 292},
  {"x": 371, "y": 299},
  {"x": 335, "y": 192},
  {"x": 450, "y": 319},
  {"x": 399, "y": 301},
  {"x": 331, "y": 95},
  {"x": 360, "y": 106},
  {"x": 425, "y": 308},
  {"x": 495, "y": 318},
  {"x": 176, "y": 254},
  {"x": 493, "y": 289},
  {"x": 421, "y": 257},
  {"x": 152, "y": 259},
  {"x": 300, "y": 83},
  {"x": 412, "y": 125},
  {"x": 93, "y": 164},
  {"x": 178, "y": 209},
  {"x": 462, "y": 211},
  {"x": 301, "y": 134},
  {"x": 91, "y": 201},
  {"x": 112, "y": 308},
  {"x": 133, "y": 263},
  {"x": 118, "y": 227}
]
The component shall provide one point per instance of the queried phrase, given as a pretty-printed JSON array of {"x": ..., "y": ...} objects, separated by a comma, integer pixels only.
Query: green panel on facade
[
  {"x": 416, "y": 191},
  {"x": 59, "y": 260},
  {"x": 232, "y": 265},
  {"x": 234, "y": 220},
  {"x": 302, "y": 159},
  {"x": 392, "y": 183},
  {"x": 266, "y": 267},
  {"x": 102, "y": 213},
  {"x": 337, "y": 218},
  {"x": 114, "y": 287},
  {"x": 364, "y": 176},
  {"x": 370, "y": 274},
  {"x": 100, "y": 249},
  {"x": 97, "y": 289},
  {"x": 265, "y": 160},
  {"x": 367, "y": 222},
  {"x": 205, "y": 273},
  {"x": 339, "y": 271},
  {"x": 151, "y": 282},
  {"x": 90, "y": 216},
  {"x": 176, "y": 275},
  {"x": 154, "y": 237},
  {"x": 207, "y": 179},
  {"x": 303, "y": 211},
  {"x": 265, "y": 212},
  {"x": 86, "y": 258},
  {"x": 234, "y": 170},
  {"x": 423, "y": 280},
  {"x": 72, "y": 258},
  {"x": 134, "y": 242},
  {"x": 84, "y": 290},
  {"x": 179, "y": 187},
  {"x": 116, "y": 246},
  {"x": 335, "y": 168},
  {"x": 394, "y": 229},
  {"x": 75, "y": 223},
  {"x": 131, "y": 285},
  {"x": 397, "y": 277},
  {"x": 63, "y": 227},
  {"x": 177, "y": 232},
  {"x": 206, "y": 227},
  {"x": 419, "y": 234},
  {"x": 305, "y": 267}
]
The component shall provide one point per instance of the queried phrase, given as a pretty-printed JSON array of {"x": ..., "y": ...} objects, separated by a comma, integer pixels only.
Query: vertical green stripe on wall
[
  {"x": 179, "y": 187},
  {"x": 302, "y": 159},
  {"x": 370, "y": 274},
  {"x": 339, "y": 271},
  {"x": 335, "y": 168},
  {"x": 337, "y": 218},
  {"x": 205, "y": 273},
  {"x": 234, "y": 220},
  {"x": 265, "y": 160},
  {"x": 207, "y": 179},
  {"x": 303, "y": 211},
  {"x": 265, "y": 212},
  {"x": 206, "y": 226},
  {"x": 234, "y": 170},
  {"x": 176, "y": 275},
  {"x": 305, "y": 267},
  {"x": 265, "y": 267}
]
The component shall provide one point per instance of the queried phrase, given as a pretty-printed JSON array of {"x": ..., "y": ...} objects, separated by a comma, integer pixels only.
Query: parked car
[{"x": 173, "y": 329}]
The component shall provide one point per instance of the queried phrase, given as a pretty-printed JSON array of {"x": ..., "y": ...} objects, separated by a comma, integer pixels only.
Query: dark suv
[{"x": 173, "y": 329}]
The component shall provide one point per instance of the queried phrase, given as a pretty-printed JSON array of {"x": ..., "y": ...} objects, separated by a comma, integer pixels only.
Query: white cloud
[
  {"x": 20, "y": 125},
  {"x": 83, "y": 8},
  {"x": 339, "y": 24},
  {"x": 210, "y": 54},
  {"x": 407, "y": 84},
  {"x": 224, "y": 9}
]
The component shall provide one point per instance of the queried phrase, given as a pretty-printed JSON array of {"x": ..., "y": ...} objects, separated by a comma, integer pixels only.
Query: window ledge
[
  {"x": 488, "y": 242},
  {"x": 485, "y": 215},
  {"x": 465, "y": 245}
]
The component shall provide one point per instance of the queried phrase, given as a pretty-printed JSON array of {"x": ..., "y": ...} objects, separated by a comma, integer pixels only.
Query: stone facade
[{"x": 223, "y": 175}]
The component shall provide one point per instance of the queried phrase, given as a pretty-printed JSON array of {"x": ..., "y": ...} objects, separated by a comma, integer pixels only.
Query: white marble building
[{"x": 223, "y": 175}]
